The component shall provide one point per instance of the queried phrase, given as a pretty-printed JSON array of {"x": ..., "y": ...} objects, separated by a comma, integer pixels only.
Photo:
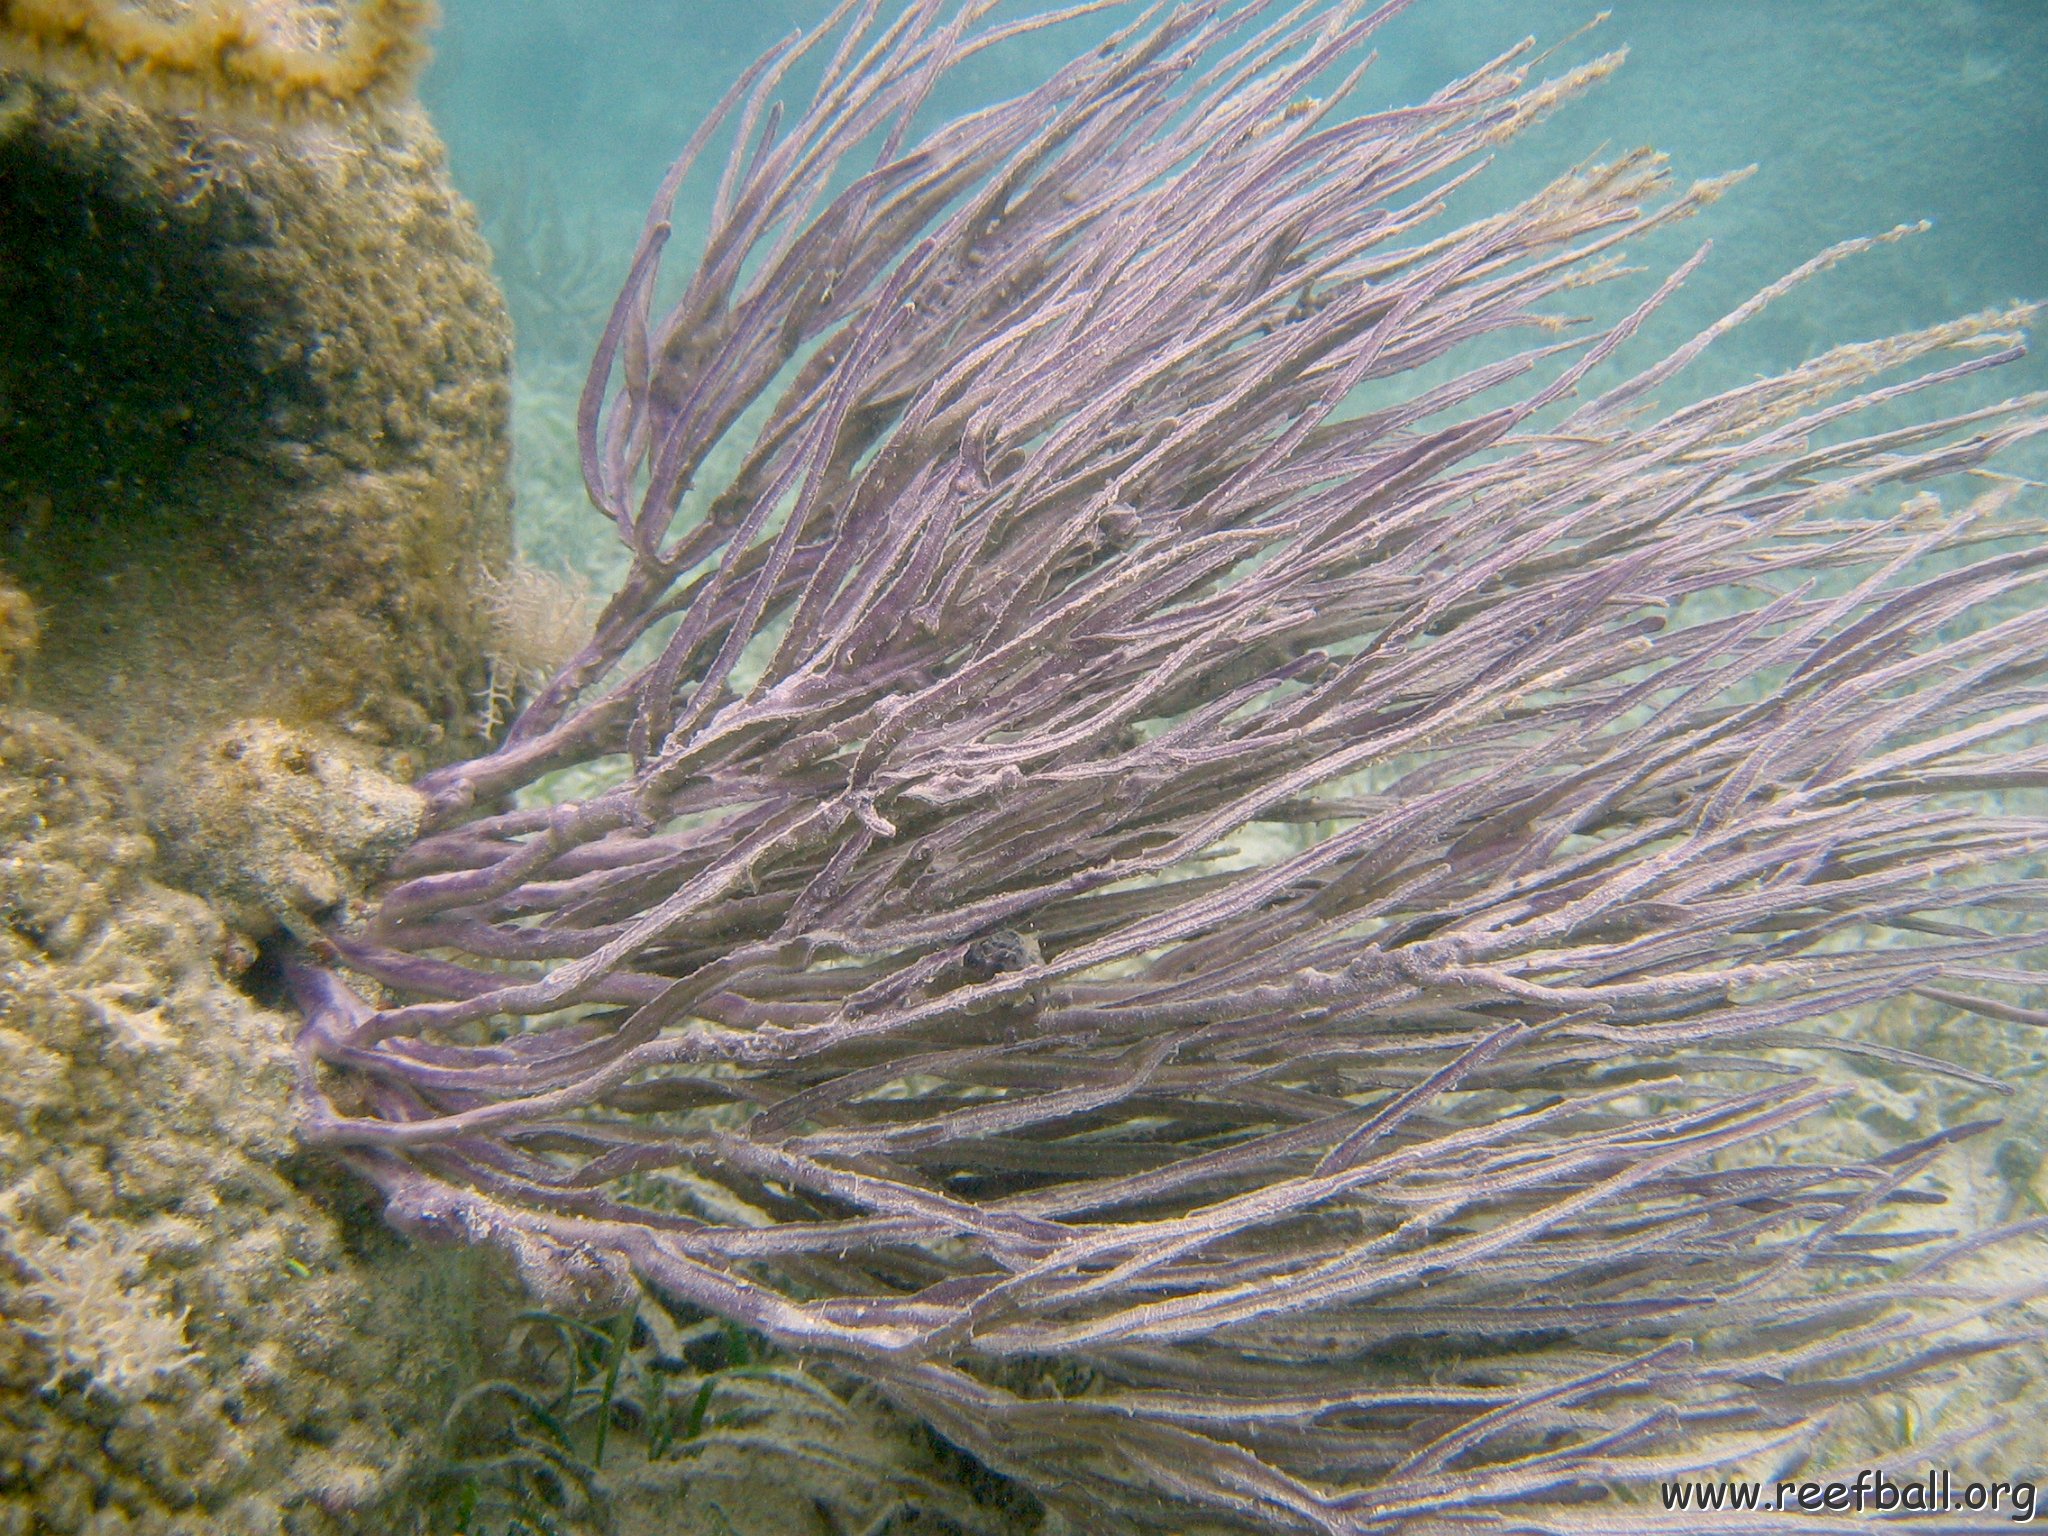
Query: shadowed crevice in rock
[
  {"x": 254, "y": 422},
  {"x": 135, "y": 340}
]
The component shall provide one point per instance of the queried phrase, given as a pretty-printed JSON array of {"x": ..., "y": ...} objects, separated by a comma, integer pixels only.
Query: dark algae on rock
[
  {"x": 1212, "y": 870},
  {"x": 253, "y": 410}
]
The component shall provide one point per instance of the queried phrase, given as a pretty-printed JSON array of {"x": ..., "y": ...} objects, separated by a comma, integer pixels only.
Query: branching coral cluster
[{"x": 1137, "y": 473}]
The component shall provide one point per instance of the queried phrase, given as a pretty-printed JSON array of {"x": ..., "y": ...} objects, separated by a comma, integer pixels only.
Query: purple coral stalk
[{"x": 1169, "y": 814}]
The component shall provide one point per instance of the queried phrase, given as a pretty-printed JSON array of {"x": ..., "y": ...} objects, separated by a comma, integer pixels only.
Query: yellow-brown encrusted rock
[
  {"x": 253, "y": 413},
  {"x": 20, "y": 630},
  {"x": 266, "y": 821},
  {"x": 202, "y": 1328}
]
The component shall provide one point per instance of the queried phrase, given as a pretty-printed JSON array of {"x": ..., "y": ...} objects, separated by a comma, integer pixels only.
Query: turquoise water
[
  {"x": 561, "y": 117},
  {"x": 1859, "y": 114}
]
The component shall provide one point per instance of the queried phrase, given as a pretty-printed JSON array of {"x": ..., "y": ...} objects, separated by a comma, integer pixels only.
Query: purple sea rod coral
[{"x": 1233, "y": 908}]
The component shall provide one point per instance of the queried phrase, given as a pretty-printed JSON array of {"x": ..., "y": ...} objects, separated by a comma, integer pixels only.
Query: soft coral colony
[{"x": 1114, "y": 483}]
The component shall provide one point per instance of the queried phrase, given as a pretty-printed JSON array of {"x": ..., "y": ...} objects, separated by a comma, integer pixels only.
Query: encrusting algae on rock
[
  {"x": 227, "y": 52},
  {"x": 254, "y": 445},
  {"x": 266, "y": 822},
  {"x": 201, "y": 1330},
  {"x": 253, "y": 475},
  {"x": 20, "y": 630}
]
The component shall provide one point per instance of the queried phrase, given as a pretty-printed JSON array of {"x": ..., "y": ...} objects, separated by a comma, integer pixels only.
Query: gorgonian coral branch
[{"x": 1171, "y": 817}]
